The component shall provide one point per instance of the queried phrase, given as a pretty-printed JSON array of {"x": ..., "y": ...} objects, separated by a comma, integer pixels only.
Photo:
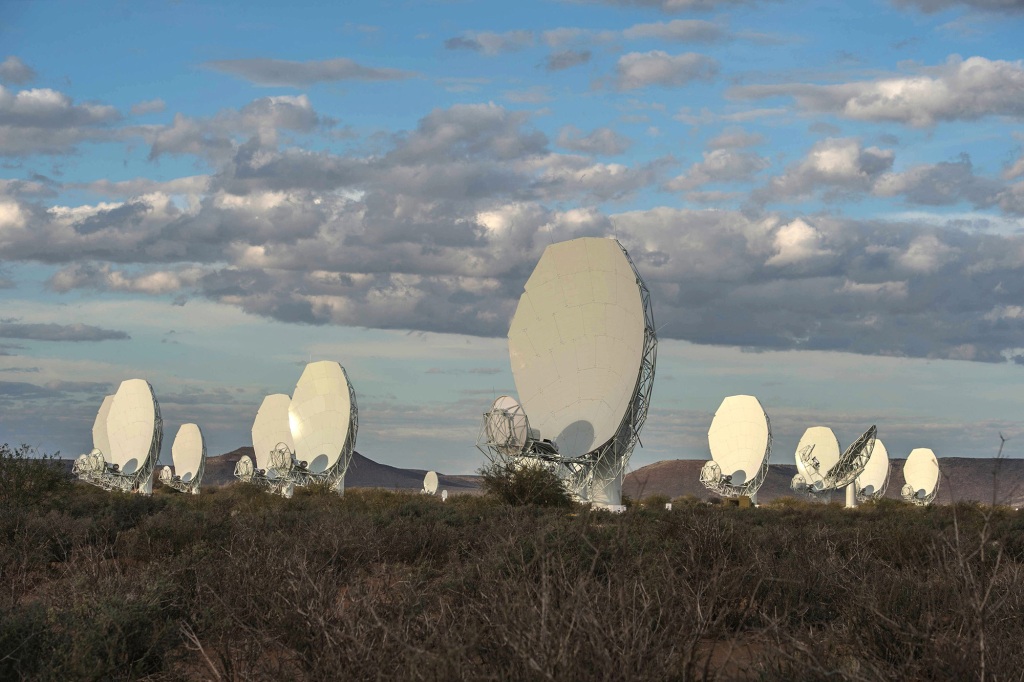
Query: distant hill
[
  {"x": 962, "y": 478},
  {"x": 363, "y": 472}
]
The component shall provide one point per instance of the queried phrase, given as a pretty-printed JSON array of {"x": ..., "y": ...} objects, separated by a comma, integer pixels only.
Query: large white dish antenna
[
  {"x": 873, "y": 481},
  {"x": 319, "y": 414},
  {"x": 430, "y": 483},
  {"x": 921, "y": 472},
  {"x": 577, "y": 342},
  {"x": 100, "y": 438},
  {"x": 816, "y": 454},
  {"x": 270, "y": 429},
  {"x": 188, "y": 452},
  {"x": 739, "y": 438},
  {"x": 133, "y": 427}
]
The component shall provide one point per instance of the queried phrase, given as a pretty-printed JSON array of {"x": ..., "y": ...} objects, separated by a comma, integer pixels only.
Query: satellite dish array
[
  {"x": 306, "y": 438},
  {"x": 188, "y": 453},
  {"x": 583, "y": 346},
  {"x": 126, "y": 436},
  {"x": 583, "y": 349},
  {"x": 740, "y": 441},
  {"x": 820, "y": 467}
]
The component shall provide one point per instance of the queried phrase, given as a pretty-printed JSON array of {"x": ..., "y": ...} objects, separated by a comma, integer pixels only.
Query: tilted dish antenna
[
  {"x": 816, "y": 454},
  {"x": 430, "y": 483},
  {"x": 271, "y": 433},
  {"x": 582, "y": 345},
  {"x": 852, "y": 461},
  {"x": 135, "y": 430},
  {"x": 873, "y": 481},
  {"x": 91, "y": 467},
  {"x": 740, "y": 440},
  {"x": 324, "y": 421},
  {"x": 921, "y": 473},
  {"x": 188, "y": 452}
]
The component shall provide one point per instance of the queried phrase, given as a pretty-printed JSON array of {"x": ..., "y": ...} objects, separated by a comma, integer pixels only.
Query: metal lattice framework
[
  {"x": 606, "y": 463},
  {"x": 907, "y": 493},
  {"x": 191, "y": 487},
  {"x": 94, "y": 469},
  {"x": 851, "y": 463},
  {"x": 712, "y": 478}
]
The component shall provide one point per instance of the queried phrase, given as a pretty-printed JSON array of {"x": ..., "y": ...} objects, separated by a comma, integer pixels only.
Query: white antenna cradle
[{"x": 597, "y": 474}]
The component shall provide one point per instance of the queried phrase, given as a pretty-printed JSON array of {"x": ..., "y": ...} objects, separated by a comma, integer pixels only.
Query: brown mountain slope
[
  {"x": 962, "y": 478},
  {"x": 363, "y": 472}
]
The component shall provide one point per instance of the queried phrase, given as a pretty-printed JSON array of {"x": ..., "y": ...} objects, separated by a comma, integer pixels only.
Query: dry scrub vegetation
[{"x": 236, "y": 584}]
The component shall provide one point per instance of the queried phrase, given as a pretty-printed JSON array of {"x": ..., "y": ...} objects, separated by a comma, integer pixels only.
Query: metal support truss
[
  {"x": 94, "y": 469},
  {"x": 908, "y": 494},
  {"x": 712, "y": 478},
  {"x": 595, "y": 476},
  {"x": 191, "y": 487},
  {"x": 853, "y": 461}
]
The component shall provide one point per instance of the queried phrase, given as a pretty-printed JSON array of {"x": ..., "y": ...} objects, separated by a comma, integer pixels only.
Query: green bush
[{"x": 525, "y": 483}]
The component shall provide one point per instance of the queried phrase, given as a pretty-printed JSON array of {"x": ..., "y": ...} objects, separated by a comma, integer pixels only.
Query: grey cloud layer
[
  {"x": 58, "y": 332},
  {"x": 15, "y": 71},
  {"x": 959, "y": 90},
  {"x": 281, "y": 72},
  {"x": 44, "y": 121},
  {"x": 439, "y": 230}
]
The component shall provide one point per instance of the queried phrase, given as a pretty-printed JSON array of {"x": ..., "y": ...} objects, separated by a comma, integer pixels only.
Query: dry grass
[{"x": 236, "y": 584}]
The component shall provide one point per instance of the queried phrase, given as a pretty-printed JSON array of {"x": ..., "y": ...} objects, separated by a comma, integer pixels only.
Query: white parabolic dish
[
  {"x": 823, "y": 446},
  {"x": 187, "y": 452},
  {"x": 876, "y": 472},
  {"x": 430, "y": 482},
  {"x": 100, "y": 438},
  {"x": 271, "y": 428},
  {"x": 921, "y": 471},
  {"x": 319, "y": 415},
  {"x": 131, "y": 425},
  {"x": 576, "y": 343},
  {"x": 738, "y": 437}
]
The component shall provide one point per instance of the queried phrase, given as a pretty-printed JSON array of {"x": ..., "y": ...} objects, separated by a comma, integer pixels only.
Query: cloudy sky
[{"x": 826, "y": 200}]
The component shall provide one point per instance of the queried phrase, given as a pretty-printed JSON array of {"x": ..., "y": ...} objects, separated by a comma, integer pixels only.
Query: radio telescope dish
[
  {"x": 324, "y": 420},
  {"x": 816, "y": 454},
  {"x": 873, "y": 481},
  {"x": 270, "y": 429},
  {"x": 852, "y": 461},
  {"x": 188, "y": 452},
  {"x": 91, "y": 467},
  {"x": 100, "y": 438},
  {"x": 430, "y": 483},
  {"x": 129, "y": 426},
  {"x": 921, "y": 473},
  {"x": 582, "y": 345},
  {"x": 740, "y": 440}
]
